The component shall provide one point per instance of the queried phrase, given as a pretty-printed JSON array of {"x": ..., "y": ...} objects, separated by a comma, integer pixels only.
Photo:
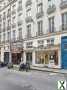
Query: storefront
[
  {"x": 16, "y": 58},
  {"x": 29, "y": 57},
  {"x": 47, "y": 58}
]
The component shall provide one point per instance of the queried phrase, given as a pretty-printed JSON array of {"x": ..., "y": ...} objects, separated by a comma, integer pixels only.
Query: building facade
[{"x": 32, "y": 30}]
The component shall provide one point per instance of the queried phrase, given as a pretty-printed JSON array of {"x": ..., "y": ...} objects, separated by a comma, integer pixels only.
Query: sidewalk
[{"x": 61, "y": 71}]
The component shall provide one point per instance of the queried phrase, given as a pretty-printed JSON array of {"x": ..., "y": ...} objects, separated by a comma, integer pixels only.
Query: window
[
  {"x": 50, "y": 42},
  {"x": 40, "y": 7},
  {"x": 29, "y": 30},
  {"x": 4, "y": 15},
  {"x": 28, "y": 12},
  {"x": 51, "y": 24},
  {"x": 14, "y": 35},
  {"x": 13, "y": 19},
  {"x": 20, "y": 33},
  {"x": 40, "y": 27},
  {"x": 0, "y": 37},
  {"x": 40, "y": 43},
  {"x": 3, "y": 36},
  {"x": 9, "y": 22},
  {"x": 29, "y": 44},
  {"x": 20, "y": 5},
  {"x": 64, "y": 21},
  {"x": 51, "y": 3},
  {"x": 8, "y": 36}
]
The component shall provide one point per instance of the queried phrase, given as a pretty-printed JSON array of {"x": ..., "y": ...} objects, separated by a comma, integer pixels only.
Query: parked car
[{"x": 10, "y": 65}]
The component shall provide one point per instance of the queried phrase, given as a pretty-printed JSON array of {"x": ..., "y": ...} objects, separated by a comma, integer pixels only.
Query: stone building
[{"x": 33, "y": 31}]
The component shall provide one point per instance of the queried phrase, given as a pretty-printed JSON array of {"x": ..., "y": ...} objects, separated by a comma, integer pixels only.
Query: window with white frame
[
  {"x": 64, "y": 21},
  {"x": 51, "y": 25},
  {"x": 51, "y": 3},
  {"x": 20, "y": 33},
  {"x": 40, "y": 27},
  {"x": 40, "y": 7},
  {"x": 28, "y": 12},
  {"x": 50, "y": 42},
  {"x": 14, "y": 35},
  {"x": 8, "y": 36},
  {"x": 29, "y": 30}
]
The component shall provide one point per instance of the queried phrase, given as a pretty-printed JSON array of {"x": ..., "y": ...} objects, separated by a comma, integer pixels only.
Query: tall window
[
  {"x": 40, "y": 7},
  {"x": 28, "y": 12},
  {"x": 8, "y": 36},
  {"x": 51, "y": 2},
  {"x": 64, "y": 21},
  {"x": 14, "y": 35},
  {"x": 40, "y": 27},
  {"x": 51, "y": 24},
  {"x": 20, "y": 33},
  {"x": 0, "y": 37},
  {"x": 3, "y": 36},
  {"x": 29, "y": 31}
]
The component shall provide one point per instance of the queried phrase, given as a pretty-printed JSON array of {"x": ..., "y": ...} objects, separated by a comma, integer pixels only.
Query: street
[{"x": 32, "y": 80}]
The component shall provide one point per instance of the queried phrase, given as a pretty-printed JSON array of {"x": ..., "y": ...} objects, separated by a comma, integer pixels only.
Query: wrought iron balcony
[
  {"x": 39, "y": 14},
  {"x": 51, "y": 9},
  {"x": 13, "y": 25},
  {"x": 63, "y": 4},
  {"x": 29, "y": 2},
  {"x": 29, "y": 19}
]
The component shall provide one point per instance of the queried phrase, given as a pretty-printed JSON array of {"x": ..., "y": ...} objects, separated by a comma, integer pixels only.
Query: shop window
[
  {"x": 54, "y": 57},
  {"x": 39, "y": 57}
]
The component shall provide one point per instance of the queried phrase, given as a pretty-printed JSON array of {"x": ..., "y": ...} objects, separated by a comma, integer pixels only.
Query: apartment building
[{"x": 34, "y": 31}]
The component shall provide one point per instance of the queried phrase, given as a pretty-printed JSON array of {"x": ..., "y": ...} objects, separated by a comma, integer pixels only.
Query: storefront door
[
  {"x": 64, "y": 52},
  {"x": 6, "y": 57},
  {"x": 16, "y": 58},
  {"x": 29, "y": 57}
]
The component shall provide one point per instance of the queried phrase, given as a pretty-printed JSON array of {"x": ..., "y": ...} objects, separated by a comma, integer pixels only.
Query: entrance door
[
  {"x": 29, "y": 57},
  {"x": 64, "y": 52},
  {"x": 16, "y": 58},
  {"x": 6, "y": 57}
]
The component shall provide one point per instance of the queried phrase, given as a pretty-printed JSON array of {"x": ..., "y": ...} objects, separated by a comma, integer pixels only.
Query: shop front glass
[{"x": 42, "y": 58}]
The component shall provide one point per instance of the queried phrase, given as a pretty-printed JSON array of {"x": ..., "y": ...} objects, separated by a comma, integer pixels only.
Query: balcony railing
[
  {"x": 63, "y": 4},
  {"x": 29, "y": 2},
  {"x": 39, "y": 14},
  {"x": 28, "y": 19},
  {"x": 51, "y": 9}
]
